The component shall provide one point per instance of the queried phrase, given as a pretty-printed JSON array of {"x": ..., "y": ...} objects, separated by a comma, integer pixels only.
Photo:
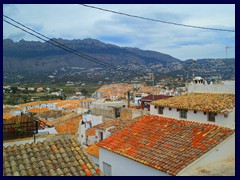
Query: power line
[
  {"x": 156, "y": 20},
  {"x": 62, "y": 46}
]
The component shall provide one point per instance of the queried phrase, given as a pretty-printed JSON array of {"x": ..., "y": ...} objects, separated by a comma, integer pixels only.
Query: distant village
[{"x": 124, "y": 130}]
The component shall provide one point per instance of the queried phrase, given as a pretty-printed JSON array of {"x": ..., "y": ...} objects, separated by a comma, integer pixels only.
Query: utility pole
[
  {"x": 128, "y": 95},
  {"x": 152, "y": 77}
]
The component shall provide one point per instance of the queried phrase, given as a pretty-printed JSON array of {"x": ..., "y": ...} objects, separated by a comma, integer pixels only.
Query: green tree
[{"x": 84, "y": 92}]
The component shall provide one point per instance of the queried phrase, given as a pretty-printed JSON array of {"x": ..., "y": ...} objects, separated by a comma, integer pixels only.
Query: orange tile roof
[
  {"x": 115, "y": 124},
  {"x": 61, "y": 119},
  {"x": 207, "y": 102},
  {"x": 60, "y": 156},
  {"x": 38, "y": 102},
  {"x": 7, "y": 116},
  {"x": 93, "y": 150},
  {"x": 18, "y": 118},
  {"x": 38, "y": 110},
  {"x": 118, "y": 90},
  {"x": 91, "y": 131},
  {"x": 66, "y": 102},
  {"x": 145, "y": 89},
  {"x": 86, "y": 100},
  {"x": 7, "y": 108},
  {"x": 53, "y": 114},
  {"x": 68, "y": 127},
  {"x": 166, "y": 144}
]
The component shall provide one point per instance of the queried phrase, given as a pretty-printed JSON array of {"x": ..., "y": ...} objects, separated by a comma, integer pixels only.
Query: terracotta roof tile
[
  {"x": 8, "y": 108},
  {"x": 38, "y": 110},
  {"x": 93, "y": 150},
  {"x": 17, "y": 162},
  {"x": 208, "y": 102},
  {"x": 39, "y": 102},
  {"x": 115, "y": 125},
  {"x": 69, "y": 127},
  {"x": 154, "y": 97},
  {"x": 91, "y": 131},
  {"x": 7, "y": 116},
  {"x": 53, "y": 114},
  {"x": 166, "y": 144},
  {"x": 62, "y": 119}
]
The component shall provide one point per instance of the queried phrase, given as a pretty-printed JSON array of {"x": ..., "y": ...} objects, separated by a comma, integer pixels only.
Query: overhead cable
[
  {"x": 157, "y": 20},
  {"x": 60, "y": 45}
]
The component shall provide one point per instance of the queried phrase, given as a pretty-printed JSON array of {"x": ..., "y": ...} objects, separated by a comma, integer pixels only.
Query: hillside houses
[
  {"x": 112, "y": 91},
  {"x": 67, "y": 105}
]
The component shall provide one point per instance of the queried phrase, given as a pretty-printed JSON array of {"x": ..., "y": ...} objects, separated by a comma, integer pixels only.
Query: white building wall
[
  {"x": 94, "y": 159},
  {"x": 122, "y": 166},
  {"x": 219, "y": 154},
  {"x": 105, "y": 134},
  {"x": 198, "y": 117},
  {"x": 47, "y": 130},
  {"x": 91, "y": 140},
  {"x": 81, "y": 110},
  {"x": 82, "y": 133},
  {"x": 153, "y": 111},
  {"x": 214, "y": 88},
  {"x": 94, "y": 119},
  {"x": 15, "y": 112}
]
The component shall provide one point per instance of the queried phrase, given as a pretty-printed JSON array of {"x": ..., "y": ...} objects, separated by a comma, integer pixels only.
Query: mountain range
[
  {"x": 38, "y": 56},
  {"x": 42, "y": 57}
]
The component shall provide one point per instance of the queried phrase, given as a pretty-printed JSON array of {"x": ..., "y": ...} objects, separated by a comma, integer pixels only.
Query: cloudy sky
[{"x": 69, "y": 21}]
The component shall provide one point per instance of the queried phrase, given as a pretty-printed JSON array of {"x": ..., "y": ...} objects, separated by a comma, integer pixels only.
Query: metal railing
[{"x": 20, "y": 130}]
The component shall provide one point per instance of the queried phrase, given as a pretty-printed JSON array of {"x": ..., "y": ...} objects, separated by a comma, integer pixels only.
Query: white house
[
  {"x": 91, "y": 136},
  {"x": 88, "y": 121},
  {"x": 199, "y": 85},
  {"x": 51, "y": 104},
  {"x": 110, "y": 127},
  {"x": 56, "y": 93},
  {"x": 201, "y": 107},
  {"x": 93, "y": 151},
  {"x": 137, "y": 98},
  {"x": 161, "y": 146}
]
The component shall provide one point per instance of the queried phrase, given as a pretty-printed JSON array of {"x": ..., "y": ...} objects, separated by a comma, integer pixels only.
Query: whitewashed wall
[
  {"x": 44, "y": 105},
  {"x": 105, "y": 134},
  {"x": 91, "y": 140},
  {"x": 82, "y": 133},
  {"x": 94, "y": 159},
  {"x": 94, "y": 119},
  {"x": 122, "y": 166},
  {"x": 81, "y": 110},
  {"x": 214, "y": 88},
  {"x": 198, "y": 117}
]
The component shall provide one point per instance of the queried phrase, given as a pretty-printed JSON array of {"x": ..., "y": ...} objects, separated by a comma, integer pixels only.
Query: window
[
  {"x": 183, "y": 114},
  {"x": 107, "y": 169},
  {"x": 195, "y": 112},
  {"x": 211, "y": 117},
  {"x": 170, "y": 109},
  {"x": 100, "y": 136},
  {"x": 160, "y": 110},
  {"x": 225, "y": 115}
]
